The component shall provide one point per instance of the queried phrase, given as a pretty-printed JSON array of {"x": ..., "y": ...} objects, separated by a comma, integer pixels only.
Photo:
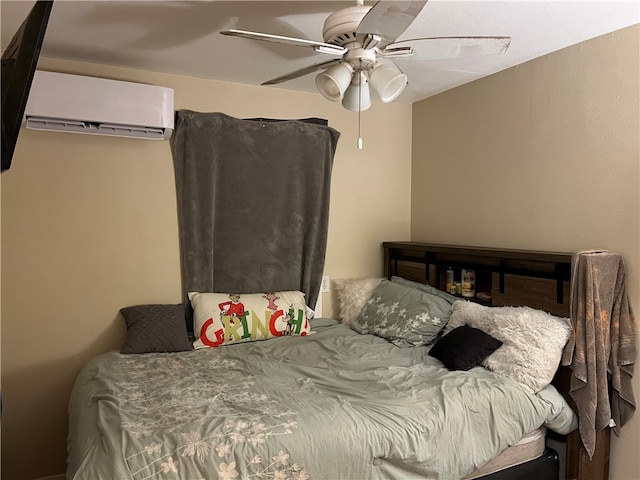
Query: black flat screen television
[{"x": 19, "y": 62}]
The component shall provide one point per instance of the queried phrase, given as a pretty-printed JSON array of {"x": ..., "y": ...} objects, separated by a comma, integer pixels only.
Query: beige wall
[
  {"x": 544, "y": 156},
  {"x": 89, "y": 226}
]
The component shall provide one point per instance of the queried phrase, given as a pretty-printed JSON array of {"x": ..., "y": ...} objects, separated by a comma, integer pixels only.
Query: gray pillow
[
  {"x": 405, "y": 316},
  {"x": 425, "y": 288},
  {"x": 155, "y": 328}
]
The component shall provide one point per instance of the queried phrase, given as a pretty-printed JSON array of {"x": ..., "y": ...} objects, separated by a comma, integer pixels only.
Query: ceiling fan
[{"x": 364, "y": 38}]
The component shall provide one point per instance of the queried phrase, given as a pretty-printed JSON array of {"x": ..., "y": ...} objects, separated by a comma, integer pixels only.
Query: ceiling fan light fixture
[
  {"x": 387, "y": 81},
  {"x": 333, "y": 82},
  {"x": 357, "y": 98}
]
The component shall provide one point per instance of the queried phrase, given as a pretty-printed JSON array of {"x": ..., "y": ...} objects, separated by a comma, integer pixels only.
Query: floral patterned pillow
[
  {"x": 223, "y": 318},
  {"x": 405, "y": 316}
]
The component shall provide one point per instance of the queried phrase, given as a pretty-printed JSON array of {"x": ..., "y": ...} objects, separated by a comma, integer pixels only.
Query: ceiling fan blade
[
  {"x": 437, "y": 48},
  {"x": 301, "y": 72},
  {"x": 389, "y": 19},
  {"x": 298, "y": 42},
  {"x": 396, "y": 52}
]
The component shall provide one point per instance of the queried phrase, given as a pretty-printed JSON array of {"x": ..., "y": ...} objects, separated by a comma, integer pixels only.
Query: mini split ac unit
[{"x": 98, "y": 106}]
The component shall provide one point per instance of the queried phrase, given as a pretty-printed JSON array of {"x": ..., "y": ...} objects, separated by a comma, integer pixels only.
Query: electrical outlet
[{"x": 325, "y": 285}]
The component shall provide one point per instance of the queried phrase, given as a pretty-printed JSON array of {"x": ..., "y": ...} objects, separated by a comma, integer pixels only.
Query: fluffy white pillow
[
  {"x": 353, "y": 294},
  {"x": 532, "y": 340}
]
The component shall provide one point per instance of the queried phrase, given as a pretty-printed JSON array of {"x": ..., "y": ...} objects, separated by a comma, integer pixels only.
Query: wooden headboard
[{"x": 512, "y": 278}]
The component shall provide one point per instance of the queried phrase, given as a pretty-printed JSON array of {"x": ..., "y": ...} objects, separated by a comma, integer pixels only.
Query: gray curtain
[{"x": 253, "y": 202}]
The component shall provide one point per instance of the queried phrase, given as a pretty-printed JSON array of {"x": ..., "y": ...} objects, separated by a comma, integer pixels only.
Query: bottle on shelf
[
  {"x": 449, "y": 281},
  {"x": 468, "y": 283}
]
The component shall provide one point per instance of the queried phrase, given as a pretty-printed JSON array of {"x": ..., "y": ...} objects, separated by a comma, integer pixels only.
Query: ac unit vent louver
[{"x": 59, "y": 125}]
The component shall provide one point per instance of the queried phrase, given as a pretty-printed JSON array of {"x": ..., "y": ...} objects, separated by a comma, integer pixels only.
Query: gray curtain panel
[{"x": 253, "y": 202}]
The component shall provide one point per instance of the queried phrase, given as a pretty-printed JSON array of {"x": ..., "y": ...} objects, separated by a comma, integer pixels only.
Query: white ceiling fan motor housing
[
  {"x": 360, "y": 59},
  {"x": 340, "y": 27}
]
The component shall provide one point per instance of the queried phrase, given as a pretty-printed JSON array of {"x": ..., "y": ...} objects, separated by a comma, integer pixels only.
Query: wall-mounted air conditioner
[{"x": 98, "y": 106}]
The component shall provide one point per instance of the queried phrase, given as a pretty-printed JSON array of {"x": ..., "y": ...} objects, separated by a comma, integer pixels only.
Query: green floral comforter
[{"x": 332, "y": 405}]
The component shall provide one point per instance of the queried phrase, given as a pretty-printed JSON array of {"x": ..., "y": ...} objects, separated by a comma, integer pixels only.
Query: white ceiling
[{"x": 182, "y": 37}]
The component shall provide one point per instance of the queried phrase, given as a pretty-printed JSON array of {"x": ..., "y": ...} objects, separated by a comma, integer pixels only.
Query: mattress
[{"x": 530, "y": 447}]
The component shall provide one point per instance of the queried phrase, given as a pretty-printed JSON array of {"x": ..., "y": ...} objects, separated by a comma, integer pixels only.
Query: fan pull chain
[
  {"x": 360, "y": 106},
  {"x": 359, "y": 114}
]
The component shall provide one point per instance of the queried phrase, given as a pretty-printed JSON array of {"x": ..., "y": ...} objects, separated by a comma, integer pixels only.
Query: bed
[{"x": 322, "y": 399}]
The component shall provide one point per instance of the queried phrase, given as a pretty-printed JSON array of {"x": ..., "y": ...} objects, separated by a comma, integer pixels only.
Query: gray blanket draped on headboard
[
  {"x": 601, "y": 350},
  {"x": 253, "y": 202}
]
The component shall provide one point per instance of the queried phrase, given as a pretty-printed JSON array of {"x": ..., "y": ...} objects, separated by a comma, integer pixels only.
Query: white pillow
[
  {"x": 532, "y": 340},
  {"x": 353, "y": 294}
]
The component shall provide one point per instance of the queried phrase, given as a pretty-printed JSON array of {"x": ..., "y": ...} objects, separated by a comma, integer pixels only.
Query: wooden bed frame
[{"x": 516, "y": 278}]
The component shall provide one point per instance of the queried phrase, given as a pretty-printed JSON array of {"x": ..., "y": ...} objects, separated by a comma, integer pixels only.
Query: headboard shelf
[{"x": 405, "y": 258}]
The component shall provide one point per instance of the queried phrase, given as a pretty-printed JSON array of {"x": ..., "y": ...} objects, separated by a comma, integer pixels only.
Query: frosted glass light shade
[
  {"x": 387, "y": 81},
  {"x": 350, "y": 100},
  {"x": 333, "y": 82}
]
